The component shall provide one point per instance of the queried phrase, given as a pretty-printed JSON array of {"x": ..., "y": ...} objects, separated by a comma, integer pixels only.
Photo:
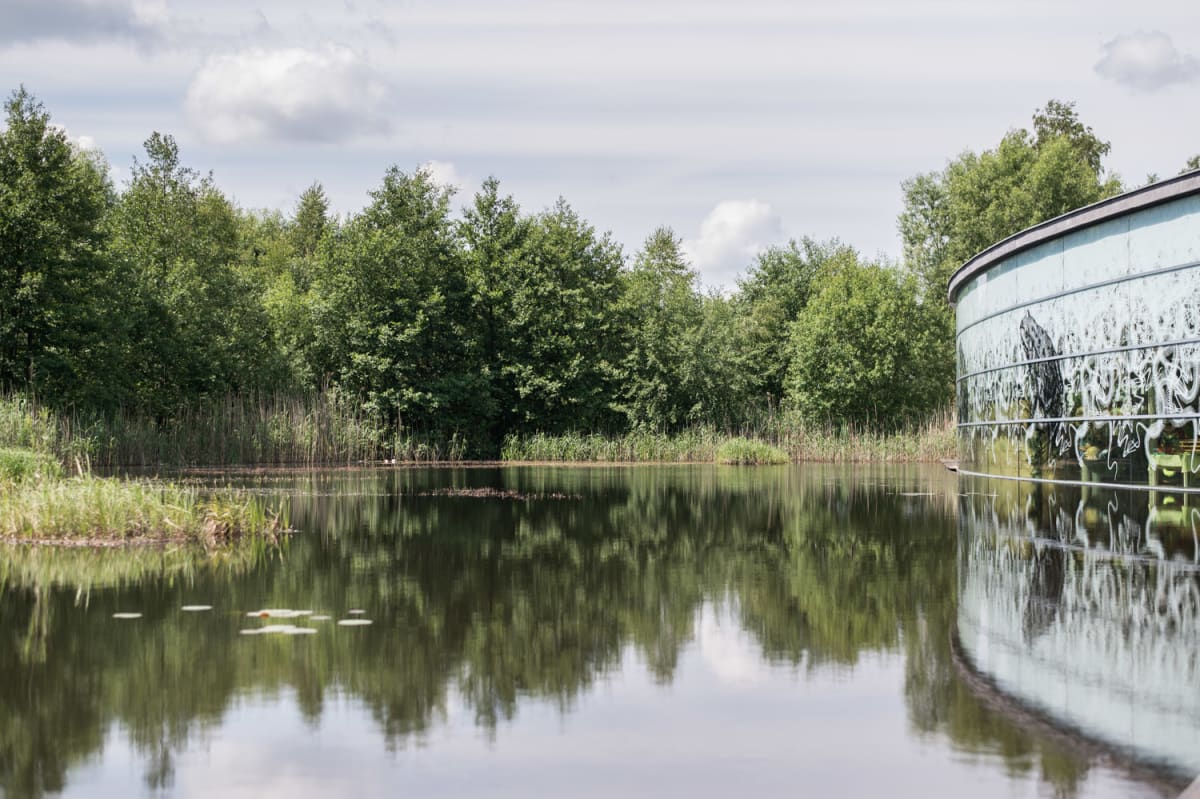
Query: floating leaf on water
[
  {"x": 353, "y": 622},
  {"x": 322, "y": 618},
  {"x": 196, "y": 608},
  {"x": 279, "y": 629},
  {"x": 127, "y": 615},
  {"x": 278, "y": 613},
  {"x": 356, "y": 612}
]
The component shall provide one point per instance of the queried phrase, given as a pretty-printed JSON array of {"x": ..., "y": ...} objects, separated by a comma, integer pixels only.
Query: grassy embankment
[{"x": 329, "y": 429}]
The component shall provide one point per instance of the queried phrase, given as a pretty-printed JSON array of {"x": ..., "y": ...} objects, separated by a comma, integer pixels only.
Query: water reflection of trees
[{"x": 492, "y": 601}]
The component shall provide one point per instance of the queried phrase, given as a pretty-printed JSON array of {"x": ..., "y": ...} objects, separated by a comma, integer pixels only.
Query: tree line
[{"x": 492, "y": 321}]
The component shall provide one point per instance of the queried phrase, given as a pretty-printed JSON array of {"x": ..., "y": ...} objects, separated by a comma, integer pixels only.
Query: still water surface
[{"x": 635, "y": 631}]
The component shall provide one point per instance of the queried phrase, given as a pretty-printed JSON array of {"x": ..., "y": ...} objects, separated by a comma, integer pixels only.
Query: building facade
[{"x": 1078, "y": 345}]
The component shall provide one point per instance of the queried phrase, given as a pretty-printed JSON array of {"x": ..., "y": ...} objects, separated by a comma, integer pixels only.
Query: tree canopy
[{"x": 477, "y": 324}]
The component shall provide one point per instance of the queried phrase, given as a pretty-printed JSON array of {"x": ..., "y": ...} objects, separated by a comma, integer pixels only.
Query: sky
[{"x": 737, "y": 124}]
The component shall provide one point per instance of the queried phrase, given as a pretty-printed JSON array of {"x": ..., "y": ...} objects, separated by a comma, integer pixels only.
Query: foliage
[
  {"x": 979, "y": 199},
  {"x": 52, "y": 200},
  {"x": 771, "y": 295},
  {"x": 195, "y": 329},
  {"x": 663, "y": 315},
  {"x": 162, "y": 324},
  {"x": 746, "y": 451},
  {"x": 860, "y": 350},
  {"x": 277, "y": 429},
  {"x": 390, "y": 310}
]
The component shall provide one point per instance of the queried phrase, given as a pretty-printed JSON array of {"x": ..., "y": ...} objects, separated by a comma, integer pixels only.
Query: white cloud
[
  {"x": 445, "y": 173},
  {"x": 330, "y": 94},
  {"x": 150, "y": 13},
  {"x": 1146, "y": 62},
  {"x": 81, "y": 142},
  {"x": 732, "y": 234}
]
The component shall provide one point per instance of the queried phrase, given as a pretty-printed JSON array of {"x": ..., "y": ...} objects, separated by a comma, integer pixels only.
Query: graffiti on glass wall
[{"x": 1104, "y": 380}]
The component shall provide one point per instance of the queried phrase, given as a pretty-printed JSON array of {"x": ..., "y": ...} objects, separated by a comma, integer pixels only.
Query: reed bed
[
  {"x": 331, "y": 428},
  {"x": 774, "y": 437},
  {"x": 270, "y": 429}
]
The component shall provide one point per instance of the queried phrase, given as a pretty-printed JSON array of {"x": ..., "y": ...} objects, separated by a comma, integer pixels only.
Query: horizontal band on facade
[
  {"x": 1072, "y": 221},
  {"x": 1183, "y": 342},
  {"x": 1138, "y": 417},
  {"x": 1165, "y": 270}
]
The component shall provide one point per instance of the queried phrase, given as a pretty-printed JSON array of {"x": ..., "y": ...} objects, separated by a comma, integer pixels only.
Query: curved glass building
[{"x": 1078, "y": 345}]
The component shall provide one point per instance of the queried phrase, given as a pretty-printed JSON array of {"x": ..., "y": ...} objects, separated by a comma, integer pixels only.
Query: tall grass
[
  {"x": 332, "y": 428},
  {"x": 88, "y": 510},
  {"x": 928, "y": 440},
  {"x": 324, "y": 428}
]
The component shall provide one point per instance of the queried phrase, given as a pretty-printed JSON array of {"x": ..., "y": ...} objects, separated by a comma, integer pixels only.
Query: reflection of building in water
[
  {"x": 1085, "y": 606},
  {"x": 1079, "y": 344}
]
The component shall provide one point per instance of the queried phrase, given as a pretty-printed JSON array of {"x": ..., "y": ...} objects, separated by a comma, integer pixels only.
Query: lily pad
[
  {"x": 279, "y": 629},
  {"x": 321, "y": 618},
  {"x": 353, "y": 622},
  {"x": 127, "y": 615},
  {"x": 196, "y": 608},
  {"x": 278, "y": 613},
  {"x": 356, "y": 612}
]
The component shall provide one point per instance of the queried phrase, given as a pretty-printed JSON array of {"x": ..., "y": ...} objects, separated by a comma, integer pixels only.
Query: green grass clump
[
  {"x": 746, "y": 451},
  {"x": 18, "y": 465},
  {"x": 88, "y": 509}
]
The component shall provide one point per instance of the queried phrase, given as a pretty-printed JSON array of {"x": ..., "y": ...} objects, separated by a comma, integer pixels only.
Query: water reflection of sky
[{"x": 729, "y": 724}]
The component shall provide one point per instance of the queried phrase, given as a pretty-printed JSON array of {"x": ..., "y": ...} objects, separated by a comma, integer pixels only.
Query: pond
[{"x": 635, "y": 631}]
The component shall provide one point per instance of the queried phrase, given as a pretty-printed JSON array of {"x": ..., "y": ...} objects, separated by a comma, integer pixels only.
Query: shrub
[{"x": 747, "y": 451}]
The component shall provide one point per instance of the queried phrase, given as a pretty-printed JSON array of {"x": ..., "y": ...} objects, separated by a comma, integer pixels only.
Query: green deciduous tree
[
  {"x": 861, "y": 349},
  {"x": 979, "y": 199},
  {"x": 495, "y": 236},
  {"x": 53, "y": 276},
  {"x": 391, "y": 310},
  {"x": 663, "y": 312},
  {"x": 565, "y": 340},
  {"x": 771, "y": 295},
  {"x": 198, "y": 326}
]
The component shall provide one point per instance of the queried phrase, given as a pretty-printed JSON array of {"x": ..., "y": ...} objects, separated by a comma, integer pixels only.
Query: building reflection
[{"x": 1083, "y": 606}]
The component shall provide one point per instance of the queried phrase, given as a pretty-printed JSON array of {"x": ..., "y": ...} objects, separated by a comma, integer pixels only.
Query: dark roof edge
[{"x": 1135, "y": 200}]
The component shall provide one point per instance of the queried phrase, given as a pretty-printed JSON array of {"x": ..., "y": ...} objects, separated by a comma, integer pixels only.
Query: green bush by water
[{"x": 744, "y": 451}]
